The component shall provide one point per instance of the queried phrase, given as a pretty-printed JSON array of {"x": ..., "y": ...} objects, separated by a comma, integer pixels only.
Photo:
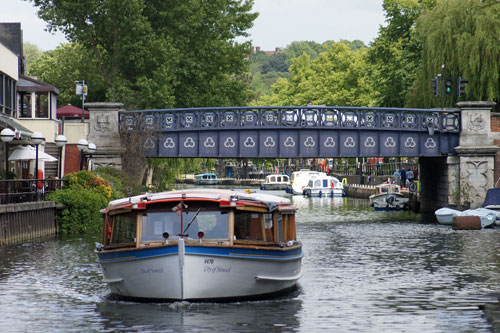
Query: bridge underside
[{"x": 293, "y": 132}]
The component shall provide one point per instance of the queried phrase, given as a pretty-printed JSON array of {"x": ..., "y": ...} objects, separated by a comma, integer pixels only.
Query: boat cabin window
[
  {"x": 273, "y": 179},
  {"x": 317, "y": 183},
  {"x": 248, "y": 226},
  {"x": 384, "y": 190},
  {"x": 213, "y": 223},
  {"x": 124, "y": 229},
  {"x": 325, "y": 182}
]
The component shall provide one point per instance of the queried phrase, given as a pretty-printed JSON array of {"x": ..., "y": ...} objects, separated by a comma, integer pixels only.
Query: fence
[{"x": 27, "y": 190}]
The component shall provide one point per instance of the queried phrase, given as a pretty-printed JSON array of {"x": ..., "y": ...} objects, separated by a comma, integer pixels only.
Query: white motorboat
[
  {"x": 324, "y": 186},
  {"x": 445, "y": 215},
  {"x": 300, "y": 179},
  {"x": 275, "y": 182},
  {"x": 200, "y": 244},
  {"x": 388, "y": 197},
  {"x": 206, "y": 179}
]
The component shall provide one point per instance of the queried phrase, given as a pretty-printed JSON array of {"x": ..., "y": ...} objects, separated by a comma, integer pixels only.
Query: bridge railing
[{"x": 292, "y": 117}]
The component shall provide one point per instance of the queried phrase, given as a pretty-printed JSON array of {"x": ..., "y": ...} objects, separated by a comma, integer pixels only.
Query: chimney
[
  {"x": 257, "y": 48},
  {"x": 278, "y": 49}
]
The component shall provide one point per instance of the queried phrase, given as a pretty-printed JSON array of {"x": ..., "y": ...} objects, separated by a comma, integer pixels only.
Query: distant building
[{"x": 257, "y": 49}]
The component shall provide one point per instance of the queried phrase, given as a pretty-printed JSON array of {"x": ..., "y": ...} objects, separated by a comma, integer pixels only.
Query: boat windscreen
[{"x": 214, "y": 224}]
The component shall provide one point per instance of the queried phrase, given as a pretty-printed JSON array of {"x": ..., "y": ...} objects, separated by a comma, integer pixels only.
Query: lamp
[
  {"x": 37, "y": 138},
  {"x": 82, "y": 145},
  {"x": 90, "y": 150},
  {"x": 60, "y": 142},
  {"x": 7, "y": 135}
]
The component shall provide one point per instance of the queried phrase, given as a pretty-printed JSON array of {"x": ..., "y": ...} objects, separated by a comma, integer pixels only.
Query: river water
[{"x": 363, "y": 271}]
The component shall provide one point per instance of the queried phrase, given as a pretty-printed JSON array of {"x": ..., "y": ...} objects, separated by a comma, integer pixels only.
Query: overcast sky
[{"x": 280, "y": 22}]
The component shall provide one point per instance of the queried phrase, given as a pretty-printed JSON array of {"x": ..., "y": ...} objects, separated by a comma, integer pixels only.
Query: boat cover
[{"x": 492, "y": 197}]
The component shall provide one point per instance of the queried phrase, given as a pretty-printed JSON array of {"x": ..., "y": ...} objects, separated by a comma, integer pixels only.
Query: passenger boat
[
  {"x": 200, "y": 244},
  {"x": 300, "y": 179},
  {"x": 323, "y": 186},
  {"x": 388, "y": 197},
  {"x": 206, "y": 179},
  {"x": 275, "y": 182}
]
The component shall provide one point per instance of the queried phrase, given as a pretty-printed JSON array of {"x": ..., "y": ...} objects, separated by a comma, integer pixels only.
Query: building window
[
  {"x": 42, "y": 105},
  {"x": 25, "y": 105}
]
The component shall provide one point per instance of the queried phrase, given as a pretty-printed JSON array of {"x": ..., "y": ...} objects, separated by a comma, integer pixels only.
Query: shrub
[
  {"x": 83, "y": 196},
  {"x": 81, "y": 210}
]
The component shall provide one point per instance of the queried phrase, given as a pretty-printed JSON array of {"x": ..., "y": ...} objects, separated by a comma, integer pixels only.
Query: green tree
[
  {"x": 158, "y": 54},
  {"x": 31, "y": 54},
  {"x": 338, "y": 76},
  {"x": 462, "y": 35},
  {"x": 395, "y": 54},
  {"x": 64, "y": 65}
]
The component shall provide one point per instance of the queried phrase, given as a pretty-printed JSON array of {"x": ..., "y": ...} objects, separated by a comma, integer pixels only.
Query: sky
[{"x": 280, "y": 22}]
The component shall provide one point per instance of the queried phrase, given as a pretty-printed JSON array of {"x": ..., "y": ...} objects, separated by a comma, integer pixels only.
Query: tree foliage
[
  {"x": 66, "y": 64},
  {"x": 31, "y": 54},
  {"x": 158, "y": 54},
  {"x": 338, "y": 76},
  {"x": 462, "y": 35}
]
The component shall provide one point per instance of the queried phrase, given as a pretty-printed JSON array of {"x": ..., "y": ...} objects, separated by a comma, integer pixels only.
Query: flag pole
[{"x": 182, "y": 221}]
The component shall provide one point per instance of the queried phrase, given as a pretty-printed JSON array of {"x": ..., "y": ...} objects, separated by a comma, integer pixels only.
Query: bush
[
  {"x": 83, "y": 196},
  {"x": 81, "y": 210}
]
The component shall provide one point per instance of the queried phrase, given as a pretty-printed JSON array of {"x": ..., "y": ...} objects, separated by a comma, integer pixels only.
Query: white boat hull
[
  {"x": 445, "y": 215},
  {"x": 186, "y": 273},
  {"x": 327, "y": 192}
]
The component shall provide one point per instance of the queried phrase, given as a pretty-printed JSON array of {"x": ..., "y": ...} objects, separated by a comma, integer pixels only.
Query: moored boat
[
  {"x": 275, "y": 182},
  {"x": 445, "y": 215},
  {"x": 388, "y": 197},
  {"x": 300, "y": 179},
  {"x": 322, "y": 185},
  {"x": 206, "y": 179},
  {"x": 200, "y": 244}
]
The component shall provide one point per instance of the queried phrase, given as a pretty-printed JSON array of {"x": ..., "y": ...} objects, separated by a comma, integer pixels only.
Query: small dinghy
[{"x": 445, "y": 215}]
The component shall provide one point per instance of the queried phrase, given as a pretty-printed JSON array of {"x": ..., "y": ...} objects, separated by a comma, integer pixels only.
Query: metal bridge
[{"x": 293, "y": 132}]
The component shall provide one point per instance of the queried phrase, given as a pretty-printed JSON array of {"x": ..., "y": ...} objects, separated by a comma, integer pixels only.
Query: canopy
[
  {"x": 29, "y": 153},
  {"x": 492, "y": 197}
]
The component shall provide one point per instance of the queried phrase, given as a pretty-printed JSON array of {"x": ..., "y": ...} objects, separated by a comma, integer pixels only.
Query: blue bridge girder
[{"x": 293, "y": 131}]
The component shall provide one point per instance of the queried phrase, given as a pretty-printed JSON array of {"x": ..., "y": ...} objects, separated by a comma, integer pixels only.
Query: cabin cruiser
[
  {"x": 275, "y": 182},
  {"x": 323, "y": 186},
  {"x": 200, "y": 244},
  {"x": 206, "y": 179},
  {"x": 388, "y": 197},
  {"x": 300, "y": 179}
]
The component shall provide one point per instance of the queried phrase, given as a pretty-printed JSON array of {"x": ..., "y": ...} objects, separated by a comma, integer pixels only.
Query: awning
[
  {"x": 21, "y": 132},
  {"x": 26, "y": 153}
]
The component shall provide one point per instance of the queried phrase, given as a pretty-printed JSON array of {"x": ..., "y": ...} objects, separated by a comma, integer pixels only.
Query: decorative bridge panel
[{"x": 271, "y": 132}]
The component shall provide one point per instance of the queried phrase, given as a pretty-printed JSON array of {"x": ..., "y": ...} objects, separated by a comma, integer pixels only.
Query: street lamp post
[
  {"x": 37, "y": 138},
  {"x": 90, "y": 150},
  {"x": 60, "y": 142},
  {"x": 82, "y": 145},
  {"x": 7, "y": 135}
]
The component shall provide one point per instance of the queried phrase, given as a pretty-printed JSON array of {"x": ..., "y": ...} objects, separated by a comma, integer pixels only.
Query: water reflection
[
  {"x": 363, "y": 271},
  {"x": 184, "y": 316}
]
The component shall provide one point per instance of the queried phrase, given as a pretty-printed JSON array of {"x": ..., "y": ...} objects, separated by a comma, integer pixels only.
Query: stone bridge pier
[{"x": 462, "y": 180}]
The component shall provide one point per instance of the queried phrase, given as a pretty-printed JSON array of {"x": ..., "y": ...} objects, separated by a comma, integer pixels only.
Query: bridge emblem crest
[
  {"x": 329, "y": 142},
  {"x": 189, "y": 142},
  {"x": 349, "y": 142},
  {"x": 410, "y": 143},
  {"x": 369, "y": 142},
  {"x": 430, "y": 143},
  {"x": 209, "y": 142},
  {"x": 149, "y": 144},
  {"x": 269, "y": 142},
  {"x": 309, "y": 142},
  {"x": 289, "y": 142},
  {"x": 229, "y": 143},
  {"x": 249, "y": 143},
  {"x": 389, "y": 142},
  {"x": 169, "y": 143}
]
